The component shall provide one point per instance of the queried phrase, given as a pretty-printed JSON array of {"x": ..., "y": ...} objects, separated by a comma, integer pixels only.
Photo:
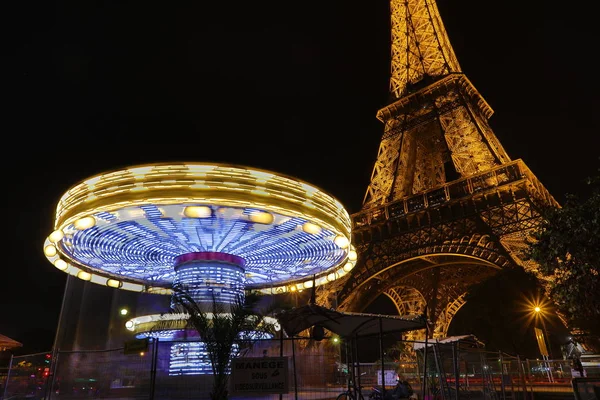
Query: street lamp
[{"x": 539, "y": 313}]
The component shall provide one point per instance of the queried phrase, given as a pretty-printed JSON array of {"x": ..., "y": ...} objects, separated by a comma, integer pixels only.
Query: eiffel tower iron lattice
[{"x": 446, "y": 207}]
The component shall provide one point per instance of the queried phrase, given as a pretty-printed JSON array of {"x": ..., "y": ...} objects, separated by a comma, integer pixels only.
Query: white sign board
[
  {"x": 259, "y": 375},
  {"x": 390, "y": 376}
]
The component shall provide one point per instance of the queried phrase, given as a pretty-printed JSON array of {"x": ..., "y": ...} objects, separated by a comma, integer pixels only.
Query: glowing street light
[{"x": 539, "y": 313}]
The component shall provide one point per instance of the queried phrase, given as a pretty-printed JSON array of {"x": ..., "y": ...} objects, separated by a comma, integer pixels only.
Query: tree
[
  {"x": 567, "y": 250},
  {"x": 227, "y": 332}
]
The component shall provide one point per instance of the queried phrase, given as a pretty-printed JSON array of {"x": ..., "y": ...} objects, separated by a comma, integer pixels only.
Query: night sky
[{"x": 291, "y": 87}]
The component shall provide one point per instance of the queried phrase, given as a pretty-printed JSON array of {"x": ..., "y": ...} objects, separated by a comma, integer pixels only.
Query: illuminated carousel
[{"x": 213, "y": 230}]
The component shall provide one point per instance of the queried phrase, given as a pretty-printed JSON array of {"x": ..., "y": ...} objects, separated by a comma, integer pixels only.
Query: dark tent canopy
[
  {"x": 346, "y": 324},
  {"x": 7, "y": 343}
]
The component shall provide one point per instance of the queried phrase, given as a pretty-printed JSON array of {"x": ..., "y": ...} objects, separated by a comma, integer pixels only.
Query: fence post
[
  {"x": 7, "y": 376},
  {"x": 424, "y": 386},
  {"x": 382, "y": 357},
  {"x": 53, "y": 369},
  {"x": 280, "y": 353},
  {"x": 456, "y": 367},
  {"x": 502, "y": 384},
  {"x": 153, "y": 369},
  {"x": 294, "y": 365}
]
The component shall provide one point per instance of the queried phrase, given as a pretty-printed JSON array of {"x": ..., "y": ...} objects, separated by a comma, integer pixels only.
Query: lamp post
[
  {"x": 546, "y": 340},
  {"x": 539, "y": 313}
]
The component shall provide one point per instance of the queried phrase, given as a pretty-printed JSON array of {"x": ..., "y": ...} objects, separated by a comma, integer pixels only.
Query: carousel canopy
[
  {"x": 346, "y": 324},
  {"x": 7, "y": 343}
]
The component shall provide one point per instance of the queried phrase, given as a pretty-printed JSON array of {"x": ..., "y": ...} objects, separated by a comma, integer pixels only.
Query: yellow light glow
[
  {"x": 293, "y": 288},
  {"x": 197, "y": 212},
  {"x": 139, "y": 189},
  {"x": 50, "y": 250},
  {"x": 84, "y": 223},
  {"x": 309, "y": 204},
  {"x": 537, "y": 309},
  {"x": 261, "y": 218},
  {"x": 140, "y": 172},
  {"x": 113, "y": 283},
  {"x": 261, "y": 177},
  {"x": 352, "y": 256},
  {"x": 348, "y": 267},
  {"x": 124, "y": 311},
  {"x": 56, "y": 236},
  {"x": 308, "y": 284},
  {"x": 195, "y": 184},
  {"x": 61, "y": 264},
  {"x": 341, "y": 241},
  {"x": 84, "y": 276},
  {"x": 310, "y": 191},
  {"x": 331, "y": 277},
  {"x": 309, "y": 227}
]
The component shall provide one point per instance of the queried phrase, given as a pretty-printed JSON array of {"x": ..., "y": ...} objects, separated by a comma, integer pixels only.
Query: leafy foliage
[
  {"x": 228, "y": 332},
  {"x": 567, "y": 249}
]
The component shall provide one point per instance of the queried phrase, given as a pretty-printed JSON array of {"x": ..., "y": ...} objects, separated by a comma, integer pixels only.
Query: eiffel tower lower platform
[{"x": 427, "y": 249}]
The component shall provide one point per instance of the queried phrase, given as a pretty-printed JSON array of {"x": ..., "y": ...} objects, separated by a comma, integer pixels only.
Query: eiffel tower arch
[{"x": 446, "y": 206}]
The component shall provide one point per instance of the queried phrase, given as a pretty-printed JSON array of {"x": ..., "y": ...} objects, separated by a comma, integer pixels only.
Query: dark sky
[{"x": 291, "y": 87}]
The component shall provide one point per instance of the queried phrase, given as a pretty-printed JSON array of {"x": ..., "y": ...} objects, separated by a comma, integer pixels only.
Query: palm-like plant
[{"x": 228, "y": 331}]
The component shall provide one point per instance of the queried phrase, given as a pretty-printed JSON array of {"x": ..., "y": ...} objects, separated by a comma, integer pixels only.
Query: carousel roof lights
[{"x": 108, "y": 231}]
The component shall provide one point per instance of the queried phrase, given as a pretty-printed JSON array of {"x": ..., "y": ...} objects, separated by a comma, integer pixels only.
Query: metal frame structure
[{"x": 446, "y": 207}]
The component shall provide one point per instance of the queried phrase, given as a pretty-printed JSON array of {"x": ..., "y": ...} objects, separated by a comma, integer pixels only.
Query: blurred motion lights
[{"x": 109, "y": 232}]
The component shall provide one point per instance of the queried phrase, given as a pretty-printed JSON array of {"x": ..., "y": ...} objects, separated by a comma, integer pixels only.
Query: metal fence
[
  {"x": 27, "y": 377},
  {"x": 315, "y": 370}
]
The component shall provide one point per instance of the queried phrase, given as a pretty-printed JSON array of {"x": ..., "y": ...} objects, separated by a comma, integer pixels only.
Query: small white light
[
  {"x": 348, "y": 267},
  {"x": 331, "y": 277},
  {"x": 261, "y": 218},
  {"x": 129, "y": 325},
  {"x": 113, "y": 283},
  {"x": 84, "y": 223},
  {"x": 61, "y": 264},
  {"x": 352, "y": 256},
  {"x": 50, "y": 250},
  {"x": 84, "y": 276},
  {"x": 309, "y": 227},
  {"x": 124, "y": 311},
  {"x": 56, "y": 236},
  {"x": 197, "y": 212},
  {"x": 341, "y": 241},
  {"x": 308, "y": 284}
]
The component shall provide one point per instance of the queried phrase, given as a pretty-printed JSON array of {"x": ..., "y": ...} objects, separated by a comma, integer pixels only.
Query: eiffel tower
[{"x": 446, "y": 206}]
